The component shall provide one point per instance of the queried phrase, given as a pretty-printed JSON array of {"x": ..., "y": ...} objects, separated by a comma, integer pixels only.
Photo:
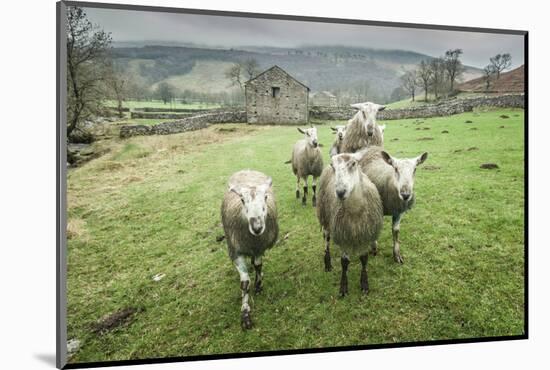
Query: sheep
[
  {"x": 362, "y": 130},
  {"x": 340, "y": 132},
  {"x": 394, "y": 179},
  {"x": 307, "y": 160},
  {"x": 249, "y": 218},
  {"x": 350, "y": 211}
]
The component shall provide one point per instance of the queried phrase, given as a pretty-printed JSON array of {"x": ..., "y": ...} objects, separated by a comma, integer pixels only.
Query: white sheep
[
  {"x": 394, "y": 179},
  {"x": 307, "y": 160},
  {"x": 362, "y": 130},
  {"x": 249, "y": 218},
  {"x": 340, "y": 132},
  {"x": 350, "y": 211}
]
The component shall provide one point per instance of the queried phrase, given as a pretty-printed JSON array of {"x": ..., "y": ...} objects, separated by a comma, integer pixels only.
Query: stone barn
[
  {"x": 324, "y": 99},
  {"x": 274, "y": 96}
]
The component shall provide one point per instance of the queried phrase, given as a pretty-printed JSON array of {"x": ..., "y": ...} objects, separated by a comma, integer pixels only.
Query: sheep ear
[
  {"x": 269, "y": 182},
  {"x": 381, "y": 107},
  {"x": 235, "y": 189},
  {"x": 420, "y": 159},
  {"x": 387, "y": 158},
  {"x": 357, "y": 106},
  {"x": 383, "y": 128},
  {"x": 333, "y": 130},
  {"x": 302, "y": 131}
]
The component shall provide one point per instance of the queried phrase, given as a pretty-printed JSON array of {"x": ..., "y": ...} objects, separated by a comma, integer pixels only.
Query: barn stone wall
[{"x": 289, "y": 107}]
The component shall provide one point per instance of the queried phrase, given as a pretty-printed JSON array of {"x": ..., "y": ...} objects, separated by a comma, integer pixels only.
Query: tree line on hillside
[{"x": 438, "y": 76}]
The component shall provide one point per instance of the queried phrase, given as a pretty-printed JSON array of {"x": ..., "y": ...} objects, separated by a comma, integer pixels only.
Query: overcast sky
[{"x": 128, "y": 25}]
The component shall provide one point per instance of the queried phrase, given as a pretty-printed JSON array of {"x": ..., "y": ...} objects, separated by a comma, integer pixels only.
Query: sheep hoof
[
  {"x": 246, "y": 322},
  {"x": 314, "y": 202},
  {"x": 343, "y": 289},
  {"x": 374, "y": 252},
  {"x": 328, "y": 268},
  {"x": 304, "y": 202},
  {"x": 297, "y": 194},
  {"x": 398, "y": 258},
  {"x": 258, "y": 288},
  {"x": 364, "y": 283}
]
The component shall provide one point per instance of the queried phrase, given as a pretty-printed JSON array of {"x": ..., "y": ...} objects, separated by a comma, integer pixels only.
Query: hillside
[
  {"x": 509, "y": 82},
  {"x": 329, "y": 68}
]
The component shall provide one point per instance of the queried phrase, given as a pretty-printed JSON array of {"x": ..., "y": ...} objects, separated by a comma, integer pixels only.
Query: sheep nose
[
  {"x": 405, "y": 196},
  {"x": 340, "y": 193},
  {"x": 256, "y": 225},
  {"x": 369, "y": 133},
  {"x": 315, "y": 143}
]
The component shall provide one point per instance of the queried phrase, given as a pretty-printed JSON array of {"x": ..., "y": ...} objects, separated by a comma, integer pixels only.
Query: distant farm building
[
  {"x": 274, "y": 96},
  {"x": 324, "y": 99}
]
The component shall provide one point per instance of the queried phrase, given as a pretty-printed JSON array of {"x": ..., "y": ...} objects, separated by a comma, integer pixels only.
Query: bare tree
[
  {"x": 165, "y": 92},
  {"x": 437, "y": 65},
  {"x": 251, "y": 67},
  {"x": 488, "y": 73},
  {"x": 234, "y": 75},
  {"x": 409, "y": 82},
  {"x": 424, "y": 73},
  {"x": 453, "y": 65},
  {"x": 117, "y": 85},
  {"x": 87, "y": 47},
  {"x": 501, "y": 62}
]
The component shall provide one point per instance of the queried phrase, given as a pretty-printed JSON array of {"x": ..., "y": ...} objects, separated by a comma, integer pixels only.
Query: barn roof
[{"x": 279, "y": 68}]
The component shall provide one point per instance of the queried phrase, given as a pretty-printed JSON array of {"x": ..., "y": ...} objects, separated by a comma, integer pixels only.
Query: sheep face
[
  {"x": 310, "y": 136},
  {"x": 368, "y": 111},
  {"x": 254, "y": 208},
  {"x": 347, "y": 173},
  {"x": 340, "y": 132},
  {"x": 405, "y": 170}
]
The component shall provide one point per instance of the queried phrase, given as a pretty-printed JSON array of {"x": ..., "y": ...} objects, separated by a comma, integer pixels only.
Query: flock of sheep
[{"x": 361, "y": 185}]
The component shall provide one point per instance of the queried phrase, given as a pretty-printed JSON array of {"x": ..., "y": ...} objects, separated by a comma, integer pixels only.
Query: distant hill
[
  {"x": 509, "y": 82},
  {"x": 331, "y": 68}
]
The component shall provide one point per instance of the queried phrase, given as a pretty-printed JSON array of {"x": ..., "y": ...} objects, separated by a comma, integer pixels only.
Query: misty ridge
[{"x": 342, "y": 70}]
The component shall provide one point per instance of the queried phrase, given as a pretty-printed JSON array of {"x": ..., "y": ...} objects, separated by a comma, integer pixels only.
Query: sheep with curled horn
[
  {"x": 249, "y": 218},
  {"x": 340, "y": 132},
  {"x": 307, "y": 160},
  {"x": 394, "y": 178},
  {"x": 350, "y": 212},
  {"x": 362, "y": 130}
]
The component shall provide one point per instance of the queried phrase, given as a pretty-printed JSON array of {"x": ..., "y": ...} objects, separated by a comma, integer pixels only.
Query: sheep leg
[
  {"x": 297, "y": 187},
  {"x": 314, "y": 188},
  {"x": 240, "y": 265},
  {"x": 374, "y": 248},
  {"x": 344, "y": 278},
  {"x": 304, "y": 198},
  {"x": 364, "y": 276},
  {"x": 396, "y": 220},
  {"x": 257, "y": 262},
  {"x": 326, "y": 236}
]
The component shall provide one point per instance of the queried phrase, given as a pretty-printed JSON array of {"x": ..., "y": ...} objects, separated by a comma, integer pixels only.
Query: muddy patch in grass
[
  {"x": 430, "y": 167},
  {"x": 115, "y": 320},
  {"x": 394, "y": 139},
  {"x": 489, "y": 166},
  {"x": 472, "y": 148},
  {"x": 468, "y": 121},
  {"x": 424, "y": 138},
  {"x": 444, "y": 132},
  {"x": 473, "y": 128},
  {"x": 504, "y": 116}
]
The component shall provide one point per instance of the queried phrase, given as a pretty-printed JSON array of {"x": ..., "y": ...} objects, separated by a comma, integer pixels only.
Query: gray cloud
[{"x": 218, "y": 31}]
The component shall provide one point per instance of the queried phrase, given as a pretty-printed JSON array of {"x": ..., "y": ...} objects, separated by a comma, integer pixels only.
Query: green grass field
[{"x": 151, "y": 205}]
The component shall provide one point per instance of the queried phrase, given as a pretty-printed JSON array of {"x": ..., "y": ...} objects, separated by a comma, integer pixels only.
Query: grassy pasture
[{"x": 151, "y": 205}]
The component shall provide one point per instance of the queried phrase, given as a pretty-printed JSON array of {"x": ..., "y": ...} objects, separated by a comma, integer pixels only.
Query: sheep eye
[{"x": 265, "y": 198}]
